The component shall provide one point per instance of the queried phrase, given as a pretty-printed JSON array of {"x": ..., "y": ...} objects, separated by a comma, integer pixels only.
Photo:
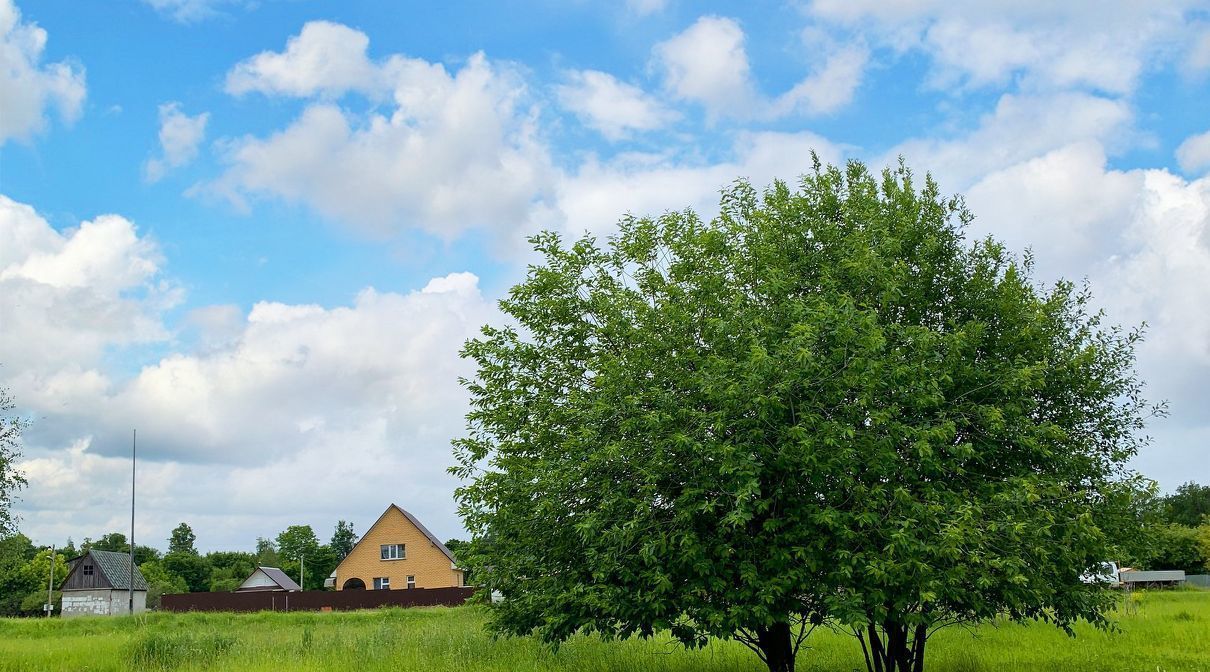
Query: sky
[{"x": 260, "y": 232}]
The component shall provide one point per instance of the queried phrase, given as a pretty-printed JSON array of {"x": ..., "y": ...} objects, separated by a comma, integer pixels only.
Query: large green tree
[
  {"x": 266, "y": 553},
  {"x": 1189, "y": 505},
  {"x": 191, "y": 567},
  {"x": 38, "y": 573},
  {"x": 161, "y": 581},
  {"x": 228, "y": 569},
  {"x": 16, "y": 552},
  {"x": 182, "y": 540},
  {"x": 298, "y": 549},
  {"x": 11, "y": 478},
  {"x": 823, "y": 405},
  {"x": 343, "y": 539}
]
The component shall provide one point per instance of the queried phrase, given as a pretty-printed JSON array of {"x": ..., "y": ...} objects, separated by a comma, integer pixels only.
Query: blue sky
[{"x": 260, "y": 231}]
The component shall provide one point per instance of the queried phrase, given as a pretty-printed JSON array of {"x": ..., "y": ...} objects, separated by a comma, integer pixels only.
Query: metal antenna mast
[{"x": 134, "y": 436}]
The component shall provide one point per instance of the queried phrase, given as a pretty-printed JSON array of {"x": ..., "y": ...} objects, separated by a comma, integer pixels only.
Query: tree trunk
[
  {"x": 890, "y": 649},
  {"x": 777, "y": 646}
]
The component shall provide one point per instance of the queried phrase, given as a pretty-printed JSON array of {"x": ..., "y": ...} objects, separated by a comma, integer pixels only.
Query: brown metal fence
[{"x": 316, "y": 600}]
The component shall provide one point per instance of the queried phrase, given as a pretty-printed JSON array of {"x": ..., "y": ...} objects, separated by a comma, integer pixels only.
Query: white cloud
[
  {"x": 28, "y": 89},
  {"x": 306, "y": 414},
  {"x": 457, "y": 150},
  {"x": 646, "y": 7},
  {"x": 1193, "y": 155},
  {"x": 66, "y": 298},
  {"x": 324, "y": 58},
  {"x": 1045, "y": 45},
  {"x": 180, "y": 135},
  {"x": 1021, "y": 127},
  {"x": 831, "y": 87},
  {"x": 192, "y": 11},
  {"x": 599, "y": 193},
  {"x": 283, "y": 414},
  {"x": 1198, "y": 59},
  {"x": 707, "y": 63},
  {"x": 613, "y": 108}
]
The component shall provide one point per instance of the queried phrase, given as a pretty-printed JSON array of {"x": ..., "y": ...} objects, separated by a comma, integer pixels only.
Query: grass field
[{"x": 1161, "y": 632}]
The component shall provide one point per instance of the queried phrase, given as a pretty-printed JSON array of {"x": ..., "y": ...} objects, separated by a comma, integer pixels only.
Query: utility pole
[
  {"x": 134, "y": 439},
  {"x": 302, "y": 568},
  {"x": 50, "y": 585}
]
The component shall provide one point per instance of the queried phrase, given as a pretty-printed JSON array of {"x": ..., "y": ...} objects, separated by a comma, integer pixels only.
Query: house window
[
  {"x": 87, "y": 570},
  {"x": 393, "y": 551},
  {"x": 382, "y": 583},
  {"x": 411, "y": 582}
]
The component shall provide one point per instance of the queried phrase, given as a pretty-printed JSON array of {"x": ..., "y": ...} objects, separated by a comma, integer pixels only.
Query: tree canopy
[
  {"x": 1189, "y": 505},
  {"x": 824, "y": 405},
  {"x": 182, "y": 540},
  {"x": 343, "y": 539}
]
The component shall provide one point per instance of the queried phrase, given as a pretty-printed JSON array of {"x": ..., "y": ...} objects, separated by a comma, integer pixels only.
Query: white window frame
[
  {"x": 393, "y": 552},
  {"x": 382, "y": 583},
  {"x": 411, "y": 581}
]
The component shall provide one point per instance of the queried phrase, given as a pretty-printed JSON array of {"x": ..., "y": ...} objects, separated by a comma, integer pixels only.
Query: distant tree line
[
  {"x": 1177, "y": 530},
  {"x": 25, "y": 568}
]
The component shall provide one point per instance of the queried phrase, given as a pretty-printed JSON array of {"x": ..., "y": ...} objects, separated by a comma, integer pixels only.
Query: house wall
[
  {"x": 425, "y": 561},
  {"x": 101, "y": 602}
]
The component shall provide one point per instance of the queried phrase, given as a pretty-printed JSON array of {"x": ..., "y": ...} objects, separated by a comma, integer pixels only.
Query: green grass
[{"x": 1159, "y": 632}]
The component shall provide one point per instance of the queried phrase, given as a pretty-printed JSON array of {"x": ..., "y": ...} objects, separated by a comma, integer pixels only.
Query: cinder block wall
[
  {"x": 424, "y": 560},
  {"x": 102, "y": 602}
]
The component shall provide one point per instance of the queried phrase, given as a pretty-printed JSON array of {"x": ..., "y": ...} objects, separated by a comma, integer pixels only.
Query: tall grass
[{"x": 1161, "y": 632}]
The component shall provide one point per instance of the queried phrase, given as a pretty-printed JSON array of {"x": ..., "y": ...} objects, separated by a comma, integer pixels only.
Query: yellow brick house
[{"x": 397, "y": 552}]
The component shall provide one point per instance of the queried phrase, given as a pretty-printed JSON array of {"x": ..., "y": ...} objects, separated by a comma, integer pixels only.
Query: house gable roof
[
  {"x": 115, "y": 567},
  {"x": 415, "y": 522},
  {"x": 275, "y": 575}
]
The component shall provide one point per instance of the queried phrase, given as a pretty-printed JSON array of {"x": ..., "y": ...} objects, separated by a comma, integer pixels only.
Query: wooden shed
[{"x": 98, "y": 584}]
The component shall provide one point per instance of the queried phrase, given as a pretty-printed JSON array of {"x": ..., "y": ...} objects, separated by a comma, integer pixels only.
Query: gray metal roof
[
  {"x": 280, "y": 578},
  {"x": 116, "y": 568}
]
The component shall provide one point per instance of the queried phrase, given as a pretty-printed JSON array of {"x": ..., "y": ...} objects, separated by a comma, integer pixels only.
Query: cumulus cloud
[
  {"x": 457, "y": 150},
  {"x": 324, "y": 58},
  {"x": 67, "y": 297},
  {"x": 1020, "y": 128},
  {"x": 309, "y": 414},
  {"x": 180, "y": 135},
  {"x": 1046, "y": 45},
  {"x": 295, "y": 410},
  {"x": 707, "y": 63},
  {"x": 1193, "y": 155},
  {"x": 829, "y": 88},
  {"x": 612, "y": 107},
  {"x": 1142, "y": 238},
  {"x": 593, "y": 198},
  {"x": 27, "y": 87}
]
